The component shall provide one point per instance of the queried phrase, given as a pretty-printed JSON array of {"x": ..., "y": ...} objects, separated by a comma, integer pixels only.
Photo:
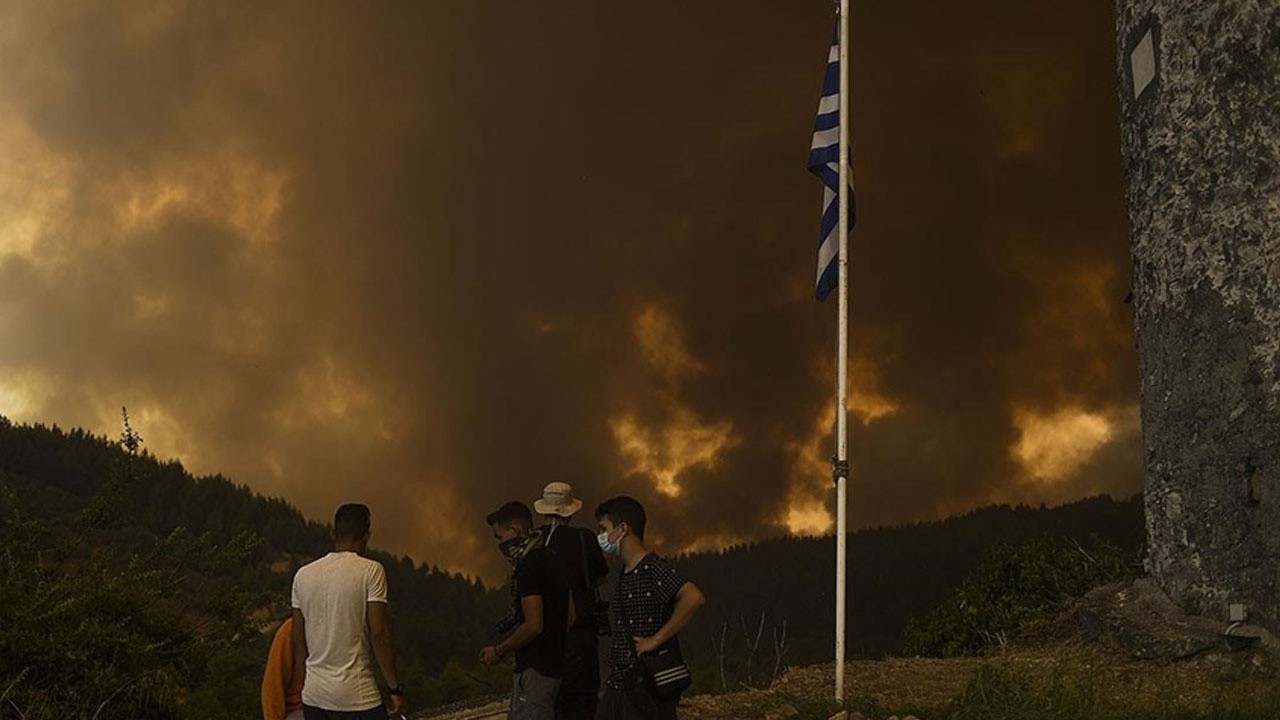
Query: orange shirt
[{"x": 281, "y": 691}]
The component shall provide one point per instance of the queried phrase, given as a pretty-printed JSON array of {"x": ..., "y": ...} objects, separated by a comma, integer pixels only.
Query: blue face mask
[{"x": 609, "y": 546}]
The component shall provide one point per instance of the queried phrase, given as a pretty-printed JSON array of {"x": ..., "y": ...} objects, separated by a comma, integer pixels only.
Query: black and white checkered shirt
[{"x": 642, "y": 603}]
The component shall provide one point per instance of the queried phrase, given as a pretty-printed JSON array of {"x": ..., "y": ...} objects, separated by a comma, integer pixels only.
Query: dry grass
[
  {"x": 1067, "y": 680},
  {"x": 1062, "y": 682}
]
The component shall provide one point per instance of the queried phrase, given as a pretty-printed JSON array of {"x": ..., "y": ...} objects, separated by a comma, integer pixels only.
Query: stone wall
[{"x": 1201, "y": 149}]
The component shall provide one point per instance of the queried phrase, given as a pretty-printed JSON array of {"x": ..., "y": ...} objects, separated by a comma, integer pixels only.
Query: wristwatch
[{"x": 397, "y": 690}]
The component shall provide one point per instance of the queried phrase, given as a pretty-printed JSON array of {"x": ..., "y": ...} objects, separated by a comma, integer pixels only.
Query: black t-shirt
[
  {"x": 542, "y": 573},
  {"x": 583, "y": 562},
  {"x": 642, "y": 603}
]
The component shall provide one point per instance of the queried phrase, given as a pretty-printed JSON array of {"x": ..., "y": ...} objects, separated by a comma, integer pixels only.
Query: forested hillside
[
  {"x": 110, "y": 554},
  {"x": 90, "y": 512},
  {"x": 895, "y": 574}
]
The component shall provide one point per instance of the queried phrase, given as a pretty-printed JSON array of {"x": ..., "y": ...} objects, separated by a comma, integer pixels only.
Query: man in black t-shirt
[
  {"x": 545, "y": 608},
  {"x": 652, "y": 602},
  {"x": 585, "y": 564}
]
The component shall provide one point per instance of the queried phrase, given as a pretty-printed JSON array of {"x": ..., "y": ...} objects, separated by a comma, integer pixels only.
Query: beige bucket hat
[{"x": 557, "y": 499}]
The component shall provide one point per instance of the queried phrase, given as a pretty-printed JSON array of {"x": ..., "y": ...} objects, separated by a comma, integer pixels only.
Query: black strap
[
  {"x": 586, "y": 566},
  {"x": 586, "y": 575},
  {"x": 586, "y": 570}
]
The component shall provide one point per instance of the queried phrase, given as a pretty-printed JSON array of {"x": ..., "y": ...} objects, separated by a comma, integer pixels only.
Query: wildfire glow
[
  {"x": 806, "y": 511},
  {"x": 682, "y": 441},
  {"x": 1054, "y": 446},
  {"x": 34, "y": 186},
  {"x": 166, "y": 436},
  {"x": 663, "y": 343},
  {"x": 229, "y": 188},
  {"x": 327, "y": 393},
  {"x": 18, "y": 402},
  {"x": 809, "y": 517},
  {"x": 663, "y": 454}
]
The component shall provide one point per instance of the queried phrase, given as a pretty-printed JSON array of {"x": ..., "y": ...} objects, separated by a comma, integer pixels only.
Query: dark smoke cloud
[{"x": 436, "y": 254}]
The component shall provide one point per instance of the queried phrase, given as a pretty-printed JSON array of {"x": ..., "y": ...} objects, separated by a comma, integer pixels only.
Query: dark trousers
[
  {"x": 315, "y": 713},
  {"x": 580, "y": 690},
  {"x": 533, "y": 696},
  {"x": 636, "y": 704}
]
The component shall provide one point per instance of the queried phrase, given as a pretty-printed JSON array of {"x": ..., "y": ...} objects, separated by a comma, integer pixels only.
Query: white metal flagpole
[{"x": 842, "y": 352}]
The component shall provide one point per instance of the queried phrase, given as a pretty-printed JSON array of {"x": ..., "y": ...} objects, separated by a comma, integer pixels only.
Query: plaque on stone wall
[{"x": 1144, "y": 66}]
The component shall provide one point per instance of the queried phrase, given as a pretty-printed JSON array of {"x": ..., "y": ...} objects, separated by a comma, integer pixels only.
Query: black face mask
[{"x": 513, "y": 549}]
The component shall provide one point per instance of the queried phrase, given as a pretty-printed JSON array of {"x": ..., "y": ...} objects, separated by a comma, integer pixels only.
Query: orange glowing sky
[{"x": 432, "y": 255}]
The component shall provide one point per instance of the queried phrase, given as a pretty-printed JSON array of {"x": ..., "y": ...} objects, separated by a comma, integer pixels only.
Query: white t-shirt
[{"x": 331, "y": 593}]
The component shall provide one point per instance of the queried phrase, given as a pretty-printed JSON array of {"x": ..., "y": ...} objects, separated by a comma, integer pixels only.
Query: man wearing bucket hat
[{"x": 586, "y": 566}]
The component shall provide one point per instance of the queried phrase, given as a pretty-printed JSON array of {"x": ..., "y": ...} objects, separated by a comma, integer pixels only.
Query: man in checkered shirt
[{"x": 652, "y": 602}]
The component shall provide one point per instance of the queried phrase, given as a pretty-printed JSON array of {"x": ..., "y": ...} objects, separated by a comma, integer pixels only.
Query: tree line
[{"x": 133, "y": 553}]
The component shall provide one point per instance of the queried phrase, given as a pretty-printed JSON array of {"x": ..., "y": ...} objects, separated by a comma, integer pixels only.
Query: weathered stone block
[{"x": 1144, "y": 621}]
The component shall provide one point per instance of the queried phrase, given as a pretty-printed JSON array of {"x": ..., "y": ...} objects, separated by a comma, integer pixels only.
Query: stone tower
[{"x": 1200, "y": 126}]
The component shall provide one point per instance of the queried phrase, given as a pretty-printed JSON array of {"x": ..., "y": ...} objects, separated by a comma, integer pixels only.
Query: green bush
[
  {"x": 101, "y": 621},
  {"x": 1014, "y": 588}
]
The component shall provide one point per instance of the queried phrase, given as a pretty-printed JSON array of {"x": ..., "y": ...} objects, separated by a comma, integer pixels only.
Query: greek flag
[{"x": 824, "y": 161}]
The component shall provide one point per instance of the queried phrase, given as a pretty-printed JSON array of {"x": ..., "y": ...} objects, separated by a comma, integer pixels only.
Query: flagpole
[{"x": 842, "y": 353}]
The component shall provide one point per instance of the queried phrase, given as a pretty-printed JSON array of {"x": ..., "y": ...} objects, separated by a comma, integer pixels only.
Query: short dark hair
[
  {"x": 351, "y": 522},
  {"x": 624, "y": 509},
  {"x": 513, "y": 513}
]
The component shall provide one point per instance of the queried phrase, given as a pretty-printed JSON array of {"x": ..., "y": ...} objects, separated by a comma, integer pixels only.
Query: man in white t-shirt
[{"x": 340, "y": 627}]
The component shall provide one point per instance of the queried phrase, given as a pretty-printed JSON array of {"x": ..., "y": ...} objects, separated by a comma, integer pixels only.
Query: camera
[{"x": 510, "y": 622}]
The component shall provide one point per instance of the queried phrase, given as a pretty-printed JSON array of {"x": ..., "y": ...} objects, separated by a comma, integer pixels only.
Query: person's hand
[
  {"x": 646, "y": 645},
  {"x": 489, "y": 656},
  {"x": 397, "y": 707}
]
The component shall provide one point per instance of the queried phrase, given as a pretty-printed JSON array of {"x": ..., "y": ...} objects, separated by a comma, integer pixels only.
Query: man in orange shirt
[{"x": 281, "y": 690}]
